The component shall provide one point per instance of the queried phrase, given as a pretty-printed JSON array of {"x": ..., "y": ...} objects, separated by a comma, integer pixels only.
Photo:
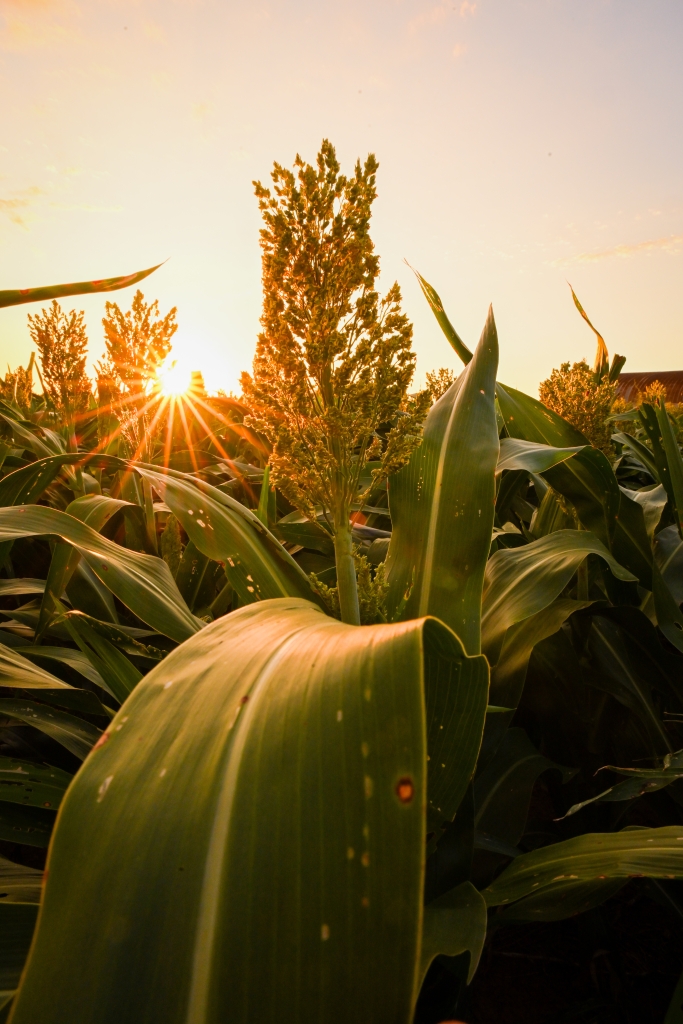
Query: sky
[{"x": 523, "y": 144}]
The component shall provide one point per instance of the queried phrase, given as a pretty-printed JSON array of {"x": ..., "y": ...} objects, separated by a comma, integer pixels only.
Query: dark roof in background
[{"x": 629, "y": 384}]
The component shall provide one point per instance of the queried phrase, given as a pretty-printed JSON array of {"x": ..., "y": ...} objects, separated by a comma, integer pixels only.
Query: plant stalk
[{"x": 347, "y": 586}]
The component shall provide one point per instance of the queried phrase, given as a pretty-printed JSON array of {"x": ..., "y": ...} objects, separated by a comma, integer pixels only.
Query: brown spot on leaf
[{"x": 405, "y": 790}]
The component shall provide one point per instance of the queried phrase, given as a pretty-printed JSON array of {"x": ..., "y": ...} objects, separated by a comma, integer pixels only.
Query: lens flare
[{"x": 174, "y": 378}]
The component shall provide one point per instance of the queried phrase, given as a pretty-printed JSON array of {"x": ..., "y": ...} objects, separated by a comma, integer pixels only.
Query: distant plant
[
  {"x": 136, "y": 342},
  {"x": 439, "y": 381},
  {"x": 574, "y": 393},
  {"x": 62, "y": 344},
  {"x": 17, "y": 387},
  {"x": 333, "y": 362}
]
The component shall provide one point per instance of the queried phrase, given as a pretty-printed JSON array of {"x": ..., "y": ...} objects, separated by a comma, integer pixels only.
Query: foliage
[
  {"x": 400, "y": 805},
  {"x": 62, "y": 345},
  {"x": 334, "y": 362},
  {"x": 136, "y": 344},
  {"x": 573, "y": 393},
  {"x": 439, "y": 382},
  {"x": 17, "y": 388}
]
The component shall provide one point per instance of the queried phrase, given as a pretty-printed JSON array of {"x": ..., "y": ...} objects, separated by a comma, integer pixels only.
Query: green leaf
[
  {"x": 57, "y": 291},
  {"x": 652, "y": 502},
  {"x": 29, "y": 826},
  {"x": 641, "y": 452},
  {"x": 142, "y": 582},
  {"x": 454, "y": 923},
  {"x": 19, "y": 884},
  {"x": 620, "y": 675},
  {"x": 17, "y": 923},
  {"x": 668, "y": 549},
  {"x": 590, "y": 858},
  {"x": 16, "y": 671},
  {"x": 562, "y": 900},
  {"x": 436, "y": 306},
  {"x": 587, "y": 479},
  {"x": 95, "y": 510},
  {"x": 516, "y": 453},
  {"x": 119, "y": 675},
  {"x": 32, "y": 785},
  {"x": 639, "y": 782},
  {"x": 18, "y": 587},
  {"x": 442, "y": 504},
  {"x": 502, "y": 792},
  {"x": 509, "y": 672},
  {"x": 256, "y": 564},
  {"x": 673, "y": 459},
  {"x": 456, "y": 693},
  {"x": 277, "y": 718},
  {"x": 66, "y": 655},
  {"x": 522, "y": 581},
  {"x": 25, "y": 485},
  {"x": 73, "y": 733}
]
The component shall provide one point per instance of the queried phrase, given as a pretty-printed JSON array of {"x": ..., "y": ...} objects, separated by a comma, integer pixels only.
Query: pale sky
[{"x": 522, "y": 144}]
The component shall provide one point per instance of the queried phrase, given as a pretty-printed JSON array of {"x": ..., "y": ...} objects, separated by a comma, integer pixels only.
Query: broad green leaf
[
  {"x": 442, "y": 504},
  {"x": 631, "y": 545},
  {"x": 652, "y": 502},
  {"x": 456, "y": 695},
  {"x": 528, "y": 419},
  {"x": 516, "y": 453},
  {"x": 256, "y": 564},
  {"x": 454, "y": 923},
  {"x": 587, "y": 479},
  {"x": 18, "y": 587},
  {"x": 16, "y": 671},
  {"x": 142, "y": 582},
  {"x": 119, "y": 675},
  {"x": 668, "y": 549},
  {"x": 593, "y": 857},
  {"x": 619, "y": 675},
  {"x": 562, "y": 900},
  {"x": 522, "y": 581},
  {"x": 308, "y": 535},
  {"x": 274, "y": 714},
  {"x": 32, "y": 785},
  {"x": 502, "y": 792},
  {"x": 95, "y": 510},
  {"x": 66, "y": 655},
  {"x": 509, "y": 672},
  {"x": 57, "y": 291},
  {"x": 673, "y": 459},
  {"x": 17, "y": 923},
  {"x": 73, "y": 733},
  {"x": 25, "y": 485},
  {"x": 669, "y": 615},
  {"x": 20, "y": 884},
  {"x": 641, "y": 452},
  {"x": 30, "y": 826}
]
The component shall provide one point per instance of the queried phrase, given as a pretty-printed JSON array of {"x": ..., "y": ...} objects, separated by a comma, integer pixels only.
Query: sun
[{"x": 174, "y": 378}]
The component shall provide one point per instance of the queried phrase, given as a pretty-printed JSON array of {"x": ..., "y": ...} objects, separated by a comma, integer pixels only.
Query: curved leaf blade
[
  {"x": 142, "y": 582},
  {"x": 442, "y": 503},
  {"x": 274, "y": 713},
  {"x": 590, "y": 858},
  {"x": 256, "y": 563},
  {"x": 522, "y": 581},
  {"x": 19, "y": 296}
]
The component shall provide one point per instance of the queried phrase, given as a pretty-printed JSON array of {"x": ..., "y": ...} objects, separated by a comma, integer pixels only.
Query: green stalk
[{"x": 347, "y": 585}]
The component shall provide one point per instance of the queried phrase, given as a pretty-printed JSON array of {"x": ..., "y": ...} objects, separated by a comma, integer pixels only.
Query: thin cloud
[
  {"x": 13, "y": 208},
  {"x": 669, "y": 243},
  {"x": 36, "y": 24}
]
